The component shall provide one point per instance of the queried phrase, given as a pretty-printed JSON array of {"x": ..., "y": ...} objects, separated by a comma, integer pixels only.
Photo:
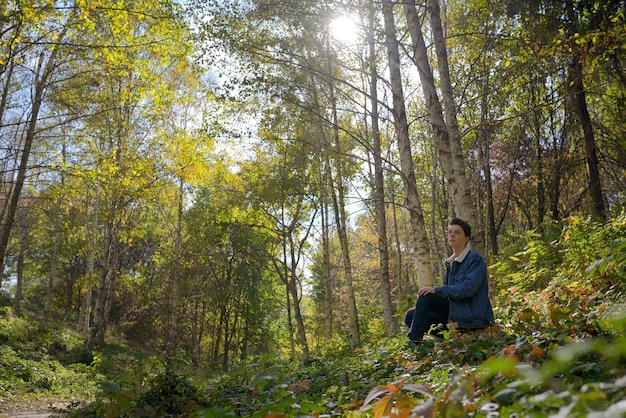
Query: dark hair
[{"x": 460, "y": 222}]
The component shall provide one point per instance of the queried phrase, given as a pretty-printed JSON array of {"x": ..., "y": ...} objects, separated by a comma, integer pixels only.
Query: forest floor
[{"x": 38, "y": 408}]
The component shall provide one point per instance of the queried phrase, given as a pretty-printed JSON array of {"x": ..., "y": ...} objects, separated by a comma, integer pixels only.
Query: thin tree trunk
[
  {"x": 579, "y": 96},
  {"x": 297, "y": 311},
  {"x": 20, "y": 263},
  {"x": 42, "y": 76},
  {"x": 195, "y": 340},
  {"x": 402, "y": 277},
  {"x": 324, "y": 185},
  {"x": 53, "y": 261},
  {"x": 339, "y": 206},
  {"x": 391, "y": 327},
  {"x": 174, "y": 278},
  {"x": 354, "y": 334},
  {"x": 85, "y": 308},
  {"x": 105, "y": 294},
  {"x": 328, "y": 285},
  {"x": 484, "y": 157},
  {"x": 292, "y": 341},
  {"x": 420, "y": 237}
]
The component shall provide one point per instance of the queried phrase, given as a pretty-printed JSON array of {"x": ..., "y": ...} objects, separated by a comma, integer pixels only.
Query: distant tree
[{"x": 35, "y": 36}]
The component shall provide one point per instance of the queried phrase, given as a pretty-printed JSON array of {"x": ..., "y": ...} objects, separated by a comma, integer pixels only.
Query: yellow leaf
[{"x": 383, "y": 407}]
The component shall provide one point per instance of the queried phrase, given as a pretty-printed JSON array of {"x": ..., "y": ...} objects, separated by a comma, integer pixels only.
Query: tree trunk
[
  {"x": 170, "y": 345},
  {"x": 462, "y": 194},
  {"x": 42, "y": 75},
  {"x": 105, "y": 294},
  {"x": 327, "y": 278},
  {"x": 391, "y": 328},
  {"x": 297, "y": 312},
  {"x": 579, "y": 97},
  {"x": 339, "y": 207},
  {"x": 20, "y": 263},
  {"x": 354, "y": 334},
  {"x": 485, "y": 162},
  {"x": 448, "y": 143},
  {"x": 325, "y": 181},
  {"x": 53, "y": 262},
  {"x": 85, "y": 307},
  {"x": 292, "y": 341},
  {"x": 424, "y": 267},
  {"x": 403, "y": 284}
]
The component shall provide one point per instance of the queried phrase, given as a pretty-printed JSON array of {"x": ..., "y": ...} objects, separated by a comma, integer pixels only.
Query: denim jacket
[{"x": 466, "y": 285}]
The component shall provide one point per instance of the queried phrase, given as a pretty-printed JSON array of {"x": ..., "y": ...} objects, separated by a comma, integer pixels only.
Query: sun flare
[{"x": 344, "y": 29}]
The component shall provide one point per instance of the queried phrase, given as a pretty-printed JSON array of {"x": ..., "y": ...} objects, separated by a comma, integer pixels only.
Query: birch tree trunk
[
  {"x": 424, "y": 267},
  {"x": 447, "y": 136},
  {"x": 391, "y": 327}
]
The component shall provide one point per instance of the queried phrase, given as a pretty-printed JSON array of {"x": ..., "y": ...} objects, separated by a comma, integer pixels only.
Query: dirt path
[{"x": 41, "y": 408}]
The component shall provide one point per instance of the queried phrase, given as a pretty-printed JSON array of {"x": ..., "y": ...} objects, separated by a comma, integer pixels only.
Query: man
[{"x": 464, "y": 296}]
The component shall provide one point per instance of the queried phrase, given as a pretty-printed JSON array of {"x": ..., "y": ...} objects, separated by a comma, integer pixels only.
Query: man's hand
[{"x": 426, "y": 290}]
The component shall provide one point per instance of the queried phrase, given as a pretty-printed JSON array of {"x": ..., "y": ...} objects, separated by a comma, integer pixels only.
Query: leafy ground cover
[
  {"x": 40, "y": 365},
  {"x": 557, "y": 350}
]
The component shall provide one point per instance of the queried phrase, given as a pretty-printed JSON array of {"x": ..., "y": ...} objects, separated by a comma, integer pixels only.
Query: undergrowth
[{"x": 558, "y": 348}]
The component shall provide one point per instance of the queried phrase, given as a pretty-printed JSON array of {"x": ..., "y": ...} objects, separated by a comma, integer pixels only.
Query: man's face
[{"x": 456, "y": 236}]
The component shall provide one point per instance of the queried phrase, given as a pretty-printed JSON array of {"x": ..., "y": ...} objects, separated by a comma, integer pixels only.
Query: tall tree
[
  {"x": 447, "y": 135},
  {"x": 414, "y": 205},
  {"x": 391, "y": 326},
  {"x": 579, "y": 97},
  {"x": 142, "y": 43},
  {"x": 49, "y": 47}
]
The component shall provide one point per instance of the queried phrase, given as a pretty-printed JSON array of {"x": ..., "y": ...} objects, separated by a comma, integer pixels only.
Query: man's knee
[{"x": 408, "y": 317}]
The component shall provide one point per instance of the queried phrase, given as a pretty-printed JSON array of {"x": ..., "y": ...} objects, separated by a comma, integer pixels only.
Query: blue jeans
[{"x": 429, "y": 310}]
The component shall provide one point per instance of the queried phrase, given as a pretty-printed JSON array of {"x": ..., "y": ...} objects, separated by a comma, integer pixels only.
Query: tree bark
[
  {"x": 175, "y": 277},
  {"x": 20, "y": 263},
  {"x": 354, "y": 334},
  {"x": 484, "y": 145},
  {"x": 579, "y": 96},
  {"x": 327, "y": 278},
  {"x": 447, "y": 136},
  {"x": 462, "y": 196},
  {"x": 391, "y": 327},
  {"x": 104, "y": 299},
  {"x": 85, "y": 307},
  {"x": 424, "y": 267}
]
